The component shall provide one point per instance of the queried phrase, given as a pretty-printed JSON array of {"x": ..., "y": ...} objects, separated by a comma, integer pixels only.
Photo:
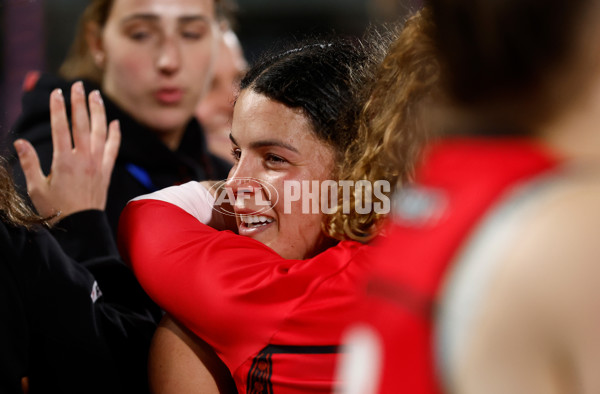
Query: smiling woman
[
  {"x": 272, "y": 300},
  {"x": 274, "y": 143}
]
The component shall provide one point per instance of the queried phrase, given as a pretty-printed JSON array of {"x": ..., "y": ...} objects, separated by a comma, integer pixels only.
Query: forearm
[{"x": 192, "y": 197}]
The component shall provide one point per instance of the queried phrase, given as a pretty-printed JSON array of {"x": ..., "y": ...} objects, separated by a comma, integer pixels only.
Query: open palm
[{"x": 81, "y": 168}]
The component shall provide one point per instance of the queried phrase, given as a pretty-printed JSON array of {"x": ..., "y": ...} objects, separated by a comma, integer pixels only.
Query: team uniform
[
  {"x": 275, "y": 323},
  {"x": 438, "y": 249}
]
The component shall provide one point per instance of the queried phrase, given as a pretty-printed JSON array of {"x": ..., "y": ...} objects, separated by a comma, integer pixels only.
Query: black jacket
[
  {"x": 144, "y": 163},
  {"x": 67, "y": 323}
]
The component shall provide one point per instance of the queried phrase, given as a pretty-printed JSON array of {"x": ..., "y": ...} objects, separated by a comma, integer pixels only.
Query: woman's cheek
[
  {"x": 132, "y": 65},
  {"x": 285, "y": 187}
]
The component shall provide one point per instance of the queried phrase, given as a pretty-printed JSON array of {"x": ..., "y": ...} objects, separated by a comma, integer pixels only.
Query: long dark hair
[{"x": 13, "y": 209}]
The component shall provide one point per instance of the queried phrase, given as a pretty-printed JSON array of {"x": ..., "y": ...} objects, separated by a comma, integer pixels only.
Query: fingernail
[
  {"x": 57, "y": 94},
  {"x": 115, "y": 124},
  {"x": 19, "y": 147},
  {"x": 97, "y": 97},
  {"x": 79, "y": 87}
]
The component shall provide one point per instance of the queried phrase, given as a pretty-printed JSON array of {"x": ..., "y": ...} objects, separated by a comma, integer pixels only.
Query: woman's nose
[
  {"x": 169, "y": 57},
  {"x": 242, "y": 178},
  {"x": 247, "y": 187}
]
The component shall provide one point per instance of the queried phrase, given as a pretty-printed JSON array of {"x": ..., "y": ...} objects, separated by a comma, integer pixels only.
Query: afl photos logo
[{"x": 255, "y": 195}]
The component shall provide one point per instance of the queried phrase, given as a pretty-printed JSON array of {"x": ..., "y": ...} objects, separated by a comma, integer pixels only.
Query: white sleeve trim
[{"x": 192, "y": 197}]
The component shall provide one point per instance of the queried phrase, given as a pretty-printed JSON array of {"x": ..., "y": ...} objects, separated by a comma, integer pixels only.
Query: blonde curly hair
[{"x": 391, "y": 130}]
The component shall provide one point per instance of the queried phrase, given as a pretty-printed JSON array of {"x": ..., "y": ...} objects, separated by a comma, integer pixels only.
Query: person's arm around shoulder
[
  {"x": 538, "y": 330},
  {"x": 197, "y": 199}
]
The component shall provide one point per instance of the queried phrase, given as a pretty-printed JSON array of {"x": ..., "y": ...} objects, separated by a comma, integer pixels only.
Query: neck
[
  {"x": 575, "y": 135},
  {"x": 171, "y": 138}
]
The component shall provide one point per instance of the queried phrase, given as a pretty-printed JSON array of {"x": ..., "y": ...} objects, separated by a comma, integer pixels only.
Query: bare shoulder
[
  {"x": 537, "y": 323},
  {"x": 557, "y": 235}
]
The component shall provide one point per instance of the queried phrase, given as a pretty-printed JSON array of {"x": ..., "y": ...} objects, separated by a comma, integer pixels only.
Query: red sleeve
[{"x": 230, "y": 290}]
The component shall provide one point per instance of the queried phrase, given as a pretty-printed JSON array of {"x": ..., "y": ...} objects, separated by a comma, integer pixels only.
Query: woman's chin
[{"x": 166, "y": 120}]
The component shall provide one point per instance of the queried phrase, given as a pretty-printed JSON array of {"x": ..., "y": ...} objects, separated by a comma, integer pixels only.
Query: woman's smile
[{"x": 273, "y": 144}]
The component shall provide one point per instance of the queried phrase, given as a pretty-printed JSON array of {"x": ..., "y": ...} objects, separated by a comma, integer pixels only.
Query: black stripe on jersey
[
  {"x": 286, "y": 349},
  {"x": 261, "y": 371},
  {"x": 259, "y": 376}
]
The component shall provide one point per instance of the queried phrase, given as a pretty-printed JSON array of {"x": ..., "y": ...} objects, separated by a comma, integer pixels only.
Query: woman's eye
[
  {"x": 193, "y": 31},
  {"x": 139, "y": 35},
  {"x": 236, "y": 153},
  {"x": 274, "y": 159},
  {"x": 192, "y": 35}
]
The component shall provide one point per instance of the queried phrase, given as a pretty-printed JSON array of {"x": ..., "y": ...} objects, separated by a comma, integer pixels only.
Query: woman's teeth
[{"x": 255, "y": 221}]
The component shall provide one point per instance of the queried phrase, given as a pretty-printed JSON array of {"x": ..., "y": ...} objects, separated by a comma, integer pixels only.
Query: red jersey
[
  {"x": 275, "y": 323},
  {"x": 460, "y": 182}
]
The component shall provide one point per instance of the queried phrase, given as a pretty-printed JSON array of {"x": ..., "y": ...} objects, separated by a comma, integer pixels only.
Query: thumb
[{"x": 30, "y": 163}]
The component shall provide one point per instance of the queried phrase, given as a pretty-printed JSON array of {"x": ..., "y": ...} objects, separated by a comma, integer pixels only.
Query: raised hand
[{"x": 80, "y": 172}]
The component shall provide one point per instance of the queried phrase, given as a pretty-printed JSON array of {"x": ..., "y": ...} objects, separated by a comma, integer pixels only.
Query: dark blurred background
[{"x": 36, "y": 34}]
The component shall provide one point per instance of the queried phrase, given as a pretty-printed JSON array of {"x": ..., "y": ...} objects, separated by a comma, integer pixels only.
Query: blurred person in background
[
  {"x": 487, "y": 278},
  {"x": 216, "y": 108},
  {"x": 152, "y": 60}
]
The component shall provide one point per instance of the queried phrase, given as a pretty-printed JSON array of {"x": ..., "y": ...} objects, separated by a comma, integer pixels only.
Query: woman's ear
[{"x": 93, "y": 37}]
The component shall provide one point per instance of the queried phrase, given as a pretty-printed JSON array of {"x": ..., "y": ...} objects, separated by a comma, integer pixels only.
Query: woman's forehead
[
  {"x": 258, "y": 117},
  {"x": 163, "y": 8}
]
